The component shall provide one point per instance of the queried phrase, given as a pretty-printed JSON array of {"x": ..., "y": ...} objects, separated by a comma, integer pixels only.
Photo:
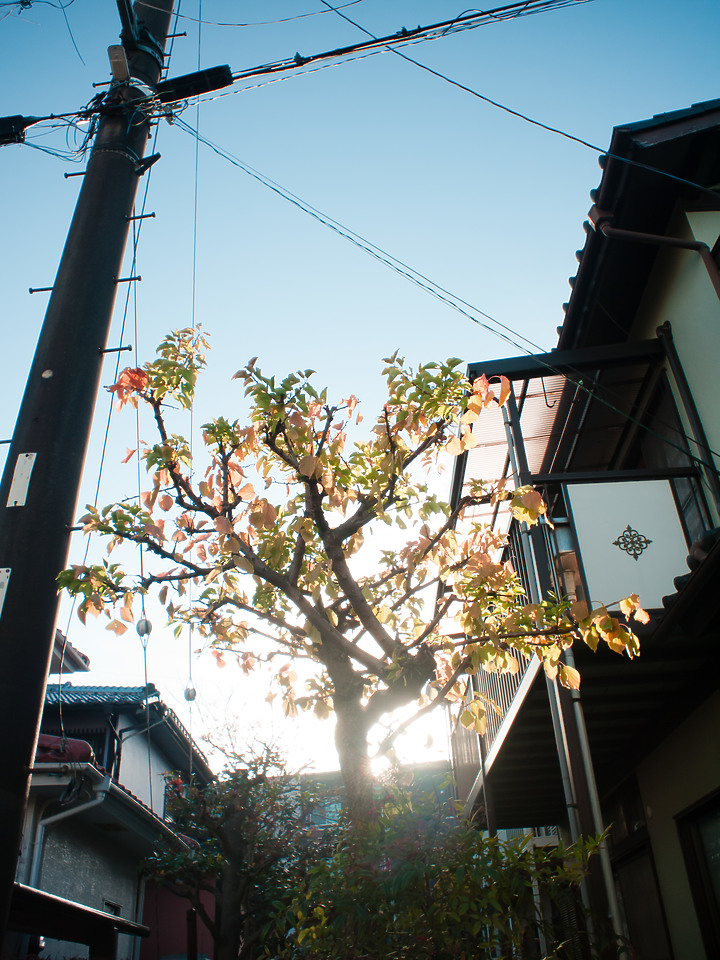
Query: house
[
  {"x": 619, "y": 428},
  {"x": 96, "y": 810}
]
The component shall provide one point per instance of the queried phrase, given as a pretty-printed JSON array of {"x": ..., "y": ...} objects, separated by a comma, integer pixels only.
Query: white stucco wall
[
  {"x": 142, "y": 771},
  {"x": 680, "y": 292}
]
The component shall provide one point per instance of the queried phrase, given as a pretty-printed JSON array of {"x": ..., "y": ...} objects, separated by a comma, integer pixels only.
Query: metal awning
[
  {"x": 629, "y": 706},
  {"x": 43, "y": 914}
]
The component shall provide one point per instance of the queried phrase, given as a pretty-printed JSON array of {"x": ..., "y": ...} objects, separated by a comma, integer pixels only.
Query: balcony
[{"x": 629, "y": 483}]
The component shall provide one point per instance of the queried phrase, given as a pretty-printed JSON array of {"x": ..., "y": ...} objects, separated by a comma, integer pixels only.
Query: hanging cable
[
  {"x": 500, "y": 330},
  {"x": 257, "y": 23},
  {"x": 190, "y": 692}
]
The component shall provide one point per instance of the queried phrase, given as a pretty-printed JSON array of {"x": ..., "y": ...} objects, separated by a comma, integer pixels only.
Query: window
[{"x": 699, "y": 829}]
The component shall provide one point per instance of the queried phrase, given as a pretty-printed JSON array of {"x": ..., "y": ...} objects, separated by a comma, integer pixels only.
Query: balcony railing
[{"x": 566, "y": 560}]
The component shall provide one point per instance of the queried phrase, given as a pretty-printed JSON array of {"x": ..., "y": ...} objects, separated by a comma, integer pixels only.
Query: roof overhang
[
  {"x": 629, "y": 706},
  {"x": 612, "y": 274},
  {"x": 120, "y": 814},
  {"x": 44, "y": 914}
]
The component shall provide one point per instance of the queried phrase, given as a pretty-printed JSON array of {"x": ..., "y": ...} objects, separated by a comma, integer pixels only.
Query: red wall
[{"x": 165, "y": 914}]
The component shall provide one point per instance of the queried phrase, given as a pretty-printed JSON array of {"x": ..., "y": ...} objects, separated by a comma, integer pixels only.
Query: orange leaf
[
  {"x": 131, "y": 381},
  {"x": 269, "y": 513},
  {"x": 247, "y": 492},
  {"x": 481, "y": 386},
  {"x": 128, "y": 456},
  {"x": 504, "y": 391}
]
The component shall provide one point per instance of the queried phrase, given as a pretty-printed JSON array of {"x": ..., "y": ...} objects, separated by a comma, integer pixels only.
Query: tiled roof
[
  {"x": 134, "y": 698},
  {"x": 96, "y": 696}
]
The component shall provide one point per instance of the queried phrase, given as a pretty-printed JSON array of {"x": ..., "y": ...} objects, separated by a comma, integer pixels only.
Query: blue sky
[{"x": 486, "y": 205}]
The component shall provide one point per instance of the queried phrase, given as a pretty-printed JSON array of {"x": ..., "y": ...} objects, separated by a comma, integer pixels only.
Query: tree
[
  {"x": 421, "y": 882},
  {"x": 251, "y": 837},
  {"x": 287, "y": 575}
]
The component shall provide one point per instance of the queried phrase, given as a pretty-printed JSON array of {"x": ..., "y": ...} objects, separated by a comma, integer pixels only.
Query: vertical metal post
[
  {"x": 191, "y": 927},
  {"x": 39, "y": 488},
  {"x": 710, "y": 471}
]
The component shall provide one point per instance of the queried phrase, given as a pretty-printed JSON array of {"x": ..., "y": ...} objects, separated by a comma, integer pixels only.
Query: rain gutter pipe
[
  {"x": 601, "y": 221},
  {"x": 584, "y": 743},
  {"x": 100, "y": 796}
]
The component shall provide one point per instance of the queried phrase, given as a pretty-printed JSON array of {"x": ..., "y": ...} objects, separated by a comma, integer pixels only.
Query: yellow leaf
[
  {"x": 454, "y": 446},
  {"x": 569, "y": 677},
  {"x": 469, "y": 440},
  {"x": 551, "y": 669}
]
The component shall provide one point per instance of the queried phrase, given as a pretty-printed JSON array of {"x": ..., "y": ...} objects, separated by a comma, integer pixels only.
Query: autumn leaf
[
  {"x": 223, "y": 526},
  {"x": 308, "y": 465},
  {"x": 481, "y": 386},
  {"x": 569, "y": 677},
  {"x": 454, "y": 446},
  {"x": 527, "y": 505},
  {"x": 247, "y": 492},
  {"x": 505, "y": 390},
  {"x": 132, "y": 380},
  {"x": 630, "y": 607}
]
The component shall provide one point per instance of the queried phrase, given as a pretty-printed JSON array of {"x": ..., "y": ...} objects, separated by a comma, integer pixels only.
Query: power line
[
  {"x": 468, "y": 20},
  {"x": 257, "y": 23},
  {"x": 517, "y": 113},
  {"x": 500, "y": 330},
  {"x": 378, "y": 253}
]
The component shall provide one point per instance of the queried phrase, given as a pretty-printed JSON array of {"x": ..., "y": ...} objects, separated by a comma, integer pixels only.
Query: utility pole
[{"x": 39, "y": 488}]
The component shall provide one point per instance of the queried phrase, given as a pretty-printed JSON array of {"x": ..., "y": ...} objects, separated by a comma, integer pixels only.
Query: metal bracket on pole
[
  {"x": 80, "y": 173},
  {"x": 126, "y": 279},
  {"x": 39, "y": 289},
  {"x": 145, "y": 164},
  {"x": 114, "y": 349}
]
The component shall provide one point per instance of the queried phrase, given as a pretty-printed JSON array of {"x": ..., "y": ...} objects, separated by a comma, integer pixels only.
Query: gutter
[
  {"x": 104, "y": 788},
  {"x": 601, "y": 221}
]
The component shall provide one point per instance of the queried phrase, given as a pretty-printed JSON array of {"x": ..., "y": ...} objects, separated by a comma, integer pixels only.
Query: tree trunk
[
  {"x": 351, "y": 741},
  {"x": 234, "y": 890}
]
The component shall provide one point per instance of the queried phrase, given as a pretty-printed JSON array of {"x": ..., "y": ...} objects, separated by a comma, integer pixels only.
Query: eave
[{"x": 612, "y": 274}]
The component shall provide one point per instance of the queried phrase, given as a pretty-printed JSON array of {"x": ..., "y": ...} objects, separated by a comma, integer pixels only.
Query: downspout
[
  {"x": 601, "y": 221},
  {"x": 522, "y": 475},
  {"x": 584, "y": 742},
  {"x": 100, "y": 797}
]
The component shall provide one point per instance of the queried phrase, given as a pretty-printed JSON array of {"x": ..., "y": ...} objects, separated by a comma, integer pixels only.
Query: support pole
[{"x": 40, "y": 485}]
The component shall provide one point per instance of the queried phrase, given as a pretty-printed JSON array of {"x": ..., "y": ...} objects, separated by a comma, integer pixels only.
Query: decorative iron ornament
[{"x": 632, "y": 542}]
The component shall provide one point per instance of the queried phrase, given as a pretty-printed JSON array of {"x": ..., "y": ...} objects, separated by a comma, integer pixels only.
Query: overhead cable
[
  {"x": 500, "y": 330},
  {"x": 392, "y": 47}
]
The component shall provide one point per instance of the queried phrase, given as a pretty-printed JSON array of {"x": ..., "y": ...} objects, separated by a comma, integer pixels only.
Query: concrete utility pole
[{"x": 40, "y": 484}]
